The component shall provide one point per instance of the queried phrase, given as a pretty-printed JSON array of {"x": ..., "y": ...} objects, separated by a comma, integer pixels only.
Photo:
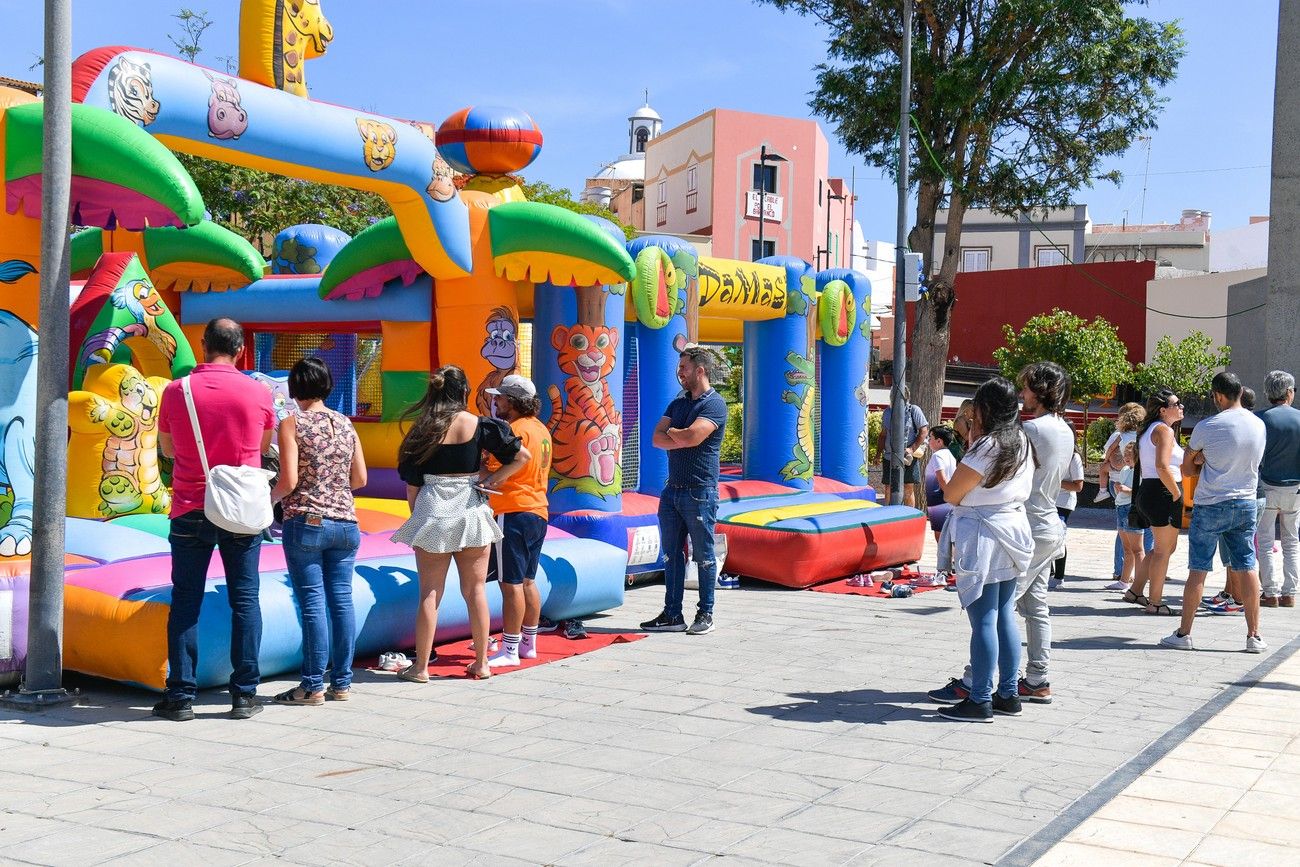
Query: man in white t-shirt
[
  {"x": 1225, "y": 450},
  {"x": 1044, "y": 389}
]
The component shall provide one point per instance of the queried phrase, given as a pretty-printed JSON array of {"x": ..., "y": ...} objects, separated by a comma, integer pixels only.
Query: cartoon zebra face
[{"x": 130, "y": 91}]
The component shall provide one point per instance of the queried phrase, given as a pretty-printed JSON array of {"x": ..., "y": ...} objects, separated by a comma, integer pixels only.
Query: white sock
[
  {"x": 528, "y": 643},
  {"x": 508, "y": 655}
]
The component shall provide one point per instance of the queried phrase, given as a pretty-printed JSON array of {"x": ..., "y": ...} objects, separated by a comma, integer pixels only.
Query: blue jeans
[
  {"x": 192, "y": 539},
  {"x": 1121, "y": 524},
  {"x": 687, "y": 512},
  {"x": 1233, "y": 522},
  {"x": 994, "y": 638},
  {"x": 320, "y": 563}
]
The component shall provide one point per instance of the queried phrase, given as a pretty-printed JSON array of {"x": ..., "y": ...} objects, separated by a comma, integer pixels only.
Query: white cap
[{"x": 515, "y": 385}]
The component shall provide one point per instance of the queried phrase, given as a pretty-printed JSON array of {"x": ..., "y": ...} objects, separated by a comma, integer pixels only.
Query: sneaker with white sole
[
  {"x": 1255, "y": 644},
  {"x": 968, "y": 711},
  {"x": 1117, "y": 585},
  {"x": 1177, "y": 642},
  {"x": 503, "y": 658},
  {"x": 1102, "y": 496},
  {"x": 703, "y": 625}
]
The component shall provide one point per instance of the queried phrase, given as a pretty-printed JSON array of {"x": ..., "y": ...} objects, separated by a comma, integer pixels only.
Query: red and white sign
[{"x": 773, "y": 205}]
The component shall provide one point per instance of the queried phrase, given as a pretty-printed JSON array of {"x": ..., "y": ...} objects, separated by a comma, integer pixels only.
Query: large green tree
[
  {"x": 540, "y": 191},
  {"x": 1187, "y": 366},
  {"x": 1017, "y": 104},
  {"x": 1091, "y": 352}
]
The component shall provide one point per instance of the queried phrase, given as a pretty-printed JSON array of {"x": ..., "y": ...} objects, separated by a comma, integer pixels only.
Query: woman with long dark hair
[
  {"x": 987, "y": 543},
  {"x": 1157, "y": 496},
  {"x": 440, "y": 460}
]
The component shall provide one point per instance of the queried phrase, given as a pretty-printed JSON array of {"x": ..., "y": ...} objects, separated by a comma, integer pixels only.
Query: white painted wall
[{"x": 1239, "y": 248}]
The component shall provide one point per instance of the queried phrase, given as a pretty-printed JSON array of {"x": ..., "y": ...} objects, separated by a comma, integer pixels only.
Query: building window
[
  {"x": 975, "y": 258},
  {"x": 663, "y": 192},
  {"x": 1047, "y": 256},
  {"x": 769, "y": 249},
  {"x": 642, "y": 136},
  {"x": 355, "y": 360},
  {"x": 661, "y": 215},
  {"x": 692, "y": 189},
  {"x": 638, "y": 193},
  {"x": 819, "y": 192},
  {"x": 764, "y": 178}
]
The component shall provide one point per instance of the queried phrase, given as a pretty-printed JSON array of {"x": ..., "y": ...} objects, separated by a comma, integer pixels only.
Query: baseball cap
[{"x": 515, "y": 385}]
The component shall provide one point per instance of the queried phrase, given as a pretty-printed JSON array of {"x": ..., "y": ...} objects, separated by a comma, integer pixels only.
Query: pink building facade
[{"x": 701, "y": 178}]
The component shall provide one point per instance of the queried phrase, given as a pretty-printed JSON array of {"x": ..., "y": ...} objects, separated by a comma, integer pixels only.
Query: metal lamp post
[
  {"x": 764, "y": 157},
  {"x": 831, "y": 197}
]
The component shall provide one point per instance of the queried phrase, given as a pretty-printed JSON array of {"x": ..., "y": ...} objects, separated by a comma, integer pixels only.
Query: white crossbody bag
[{"x": 236, "y": 499}]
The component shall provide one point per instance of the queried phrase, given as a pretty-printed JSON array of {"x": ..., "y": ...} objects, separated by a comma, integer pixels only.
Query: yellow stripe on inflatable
[
  {"x": 379, "y": 442},
  {"x": 763, "y": 517},
  {"x": 117, "y": 638},
  {"x": 540, "y": 266},
  {"x": 388, "y": 507}
]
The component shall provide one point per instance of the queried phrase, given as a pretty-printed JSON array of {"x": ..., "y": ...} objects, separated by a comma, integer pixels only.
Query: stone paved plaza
[{"x": 796, "y": 733}]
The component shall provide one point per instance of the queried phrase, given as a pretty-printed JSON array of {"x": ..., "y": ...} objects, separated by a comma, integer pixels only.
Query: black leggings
[{"x": 1058, "y": 567}]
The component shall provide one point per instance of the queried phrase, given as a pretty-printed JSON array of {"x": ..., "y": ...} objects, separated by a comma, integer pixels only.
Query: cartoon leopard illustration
[{"x": 380, "y": 143}]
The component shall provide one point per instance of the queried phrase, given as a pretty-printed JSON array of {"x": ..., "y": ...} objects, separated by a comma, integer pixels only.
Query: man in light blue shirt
[
  {"x": 1279, "y": 486},
  {"x": 1225, "y": 450}
]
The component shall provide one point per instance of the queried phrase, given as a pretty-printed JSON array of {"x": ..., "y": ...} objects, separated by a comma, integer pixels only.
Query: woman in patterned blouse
[{"x": 320, "y": 465}]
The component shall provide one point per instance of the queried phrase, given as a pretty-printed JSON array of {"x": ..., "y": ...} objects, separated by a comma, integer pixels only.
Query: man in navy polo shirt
[{"x": 691, "y": 432}]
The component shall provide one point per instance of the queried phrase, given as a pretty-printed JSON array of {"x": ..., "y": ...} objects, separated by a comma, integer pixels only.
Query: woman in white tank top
[{"x": 1158, "y": 497}]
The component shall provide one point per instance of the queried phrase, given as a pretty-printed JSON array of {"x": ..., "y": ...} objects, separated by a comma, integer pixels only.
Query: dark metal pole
[
  {"x": 762, "y": 197},
  {"x": 43, "y": 683},
  {"x": 899, "y": 405}
]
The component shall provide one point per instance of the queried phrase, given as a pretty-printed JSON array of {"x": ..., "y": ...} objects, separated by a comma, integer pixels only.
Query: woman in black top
[{"x": 440, "y": 460}]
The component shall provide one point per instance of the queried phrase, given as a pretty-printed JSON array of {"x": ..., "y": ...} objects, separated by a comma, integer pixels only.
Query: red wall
[{"x": 987, "y": 300}]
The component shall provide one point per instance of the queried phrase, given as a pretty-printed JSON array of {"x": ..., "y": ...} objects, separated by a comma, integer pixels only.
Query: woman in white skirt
[{"x": 440, "y": 461}]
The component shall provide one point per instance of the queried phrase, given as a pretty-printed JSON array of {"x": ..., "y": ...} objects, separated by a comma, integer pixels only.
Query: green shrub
[
  {"x": 731, "y": 437},
  {"x": 874, "y": 421},
  {"x": 1099, "y": 430}
]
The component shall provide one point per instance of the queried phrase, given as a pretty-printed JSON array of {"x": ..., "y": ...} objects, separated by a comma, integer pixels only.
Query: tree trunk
[{"x": 928, "y": 358}]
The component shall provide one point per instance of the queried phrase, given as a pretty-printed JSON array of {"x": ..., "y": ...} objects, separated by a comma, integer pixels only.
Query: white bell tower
[{"x": 643, "y": 125}]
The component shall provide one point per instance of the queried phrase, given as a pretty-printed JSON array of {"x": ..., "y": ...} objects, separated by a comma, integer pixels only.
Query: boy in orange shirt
[{"x": 522, "y": 508}]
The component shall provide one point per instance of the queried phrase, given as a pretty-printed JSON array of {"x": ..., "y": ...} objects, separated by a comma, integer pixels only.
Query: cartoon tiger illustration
[
  {"x": 380, "y": 143},
  {"x": 587, "y": 429},
  {"x": 130, "y": 91}
]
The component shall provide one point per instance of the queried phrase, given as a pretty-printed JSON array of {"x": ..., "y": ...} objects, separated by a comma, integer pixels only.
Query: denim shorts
[
  {"x": 1234, "y": 522},
  {"x": 1121, "y": 518}
]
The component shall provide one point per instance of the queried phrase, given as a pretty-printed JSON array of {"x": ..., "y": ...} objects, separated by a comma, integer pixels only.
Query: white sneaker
[
  {"x": 1102, "y": 496},
  {"x": 1117, "y": 585},
  {"x": 1183, "y": 642},
  {"x": 503, "y": 659},
  {"x": 528, "y": 649},
  {"x": 1255, "y": 644},
  {"x": 393, "y": 661}
]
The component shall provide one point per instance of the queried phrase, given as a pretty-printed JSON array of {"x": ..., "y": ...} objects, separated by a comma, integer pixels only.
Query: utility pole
[
  {"x": 898, "y": 404},
  {"x": 43, "y": 680}
]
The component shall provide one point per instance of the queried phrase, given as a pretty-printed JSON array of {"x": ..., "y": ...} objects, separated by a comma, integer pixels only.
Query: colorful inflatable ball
[{"x": 489, "y": 140}]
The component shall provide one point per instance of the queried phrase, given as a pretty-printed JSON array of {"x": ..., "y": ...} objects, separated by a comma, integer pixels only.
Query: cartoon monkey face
[
  {"x": 500, "y": 348},
  {"x": 442, "y": 188},
  {"x": 380, "y": 143}
]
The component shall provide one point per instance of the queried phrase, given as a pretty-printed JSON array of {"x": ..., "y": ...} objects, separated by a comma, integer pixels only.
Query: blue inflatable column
[
  {"x": 780, "y": 386},
  {"x": 578, "y": 371},
  {"x": 844, "y": 313},
  {"x": 658, "y": 348}
]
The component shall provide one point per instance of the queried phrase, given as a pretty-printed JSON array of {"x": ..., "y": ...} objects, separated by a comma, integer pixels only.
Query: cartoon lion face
[
  {"x": 130, "y": 91},
  {"x": 380, "y": 143}
]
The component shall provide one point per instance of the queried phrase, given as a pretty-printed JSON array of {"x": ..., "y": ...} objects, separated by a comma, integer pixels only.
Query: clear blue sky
[{"x": 579, "y": 66}]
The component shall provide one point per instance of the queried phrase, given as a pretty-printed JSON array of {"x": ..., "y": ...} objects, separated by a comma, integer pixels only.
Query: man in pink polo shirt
[{"x": 236, "y": 417}]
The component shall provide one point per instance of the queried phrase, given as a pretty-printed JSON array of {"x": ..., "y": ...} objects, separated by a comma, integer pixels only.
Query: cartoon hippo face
[
  {"x": 226, "y": 117},
  {"x": 380, "y": 143},
  {"x": 119, "y": 494}
]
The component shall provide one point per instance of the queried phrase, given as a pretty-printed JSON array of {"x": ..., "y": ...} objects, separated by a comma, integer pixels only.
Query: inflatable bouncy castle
[{"x": 466, "y": 271}]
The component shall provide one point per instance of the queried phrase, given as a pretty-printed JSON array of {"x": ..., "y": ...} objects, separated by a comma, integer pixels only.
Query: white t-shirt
[
  {"x": 1233, "y": 444},
  {"x": 1123, "y": 438},
  {"x": 1013, "y": 489},
  {"x": 1123, "y": 477},
  {"x": 942, "y": 460},
  {"x": 1053, "y": 445},
  {"x": 1069, "y": 499}
]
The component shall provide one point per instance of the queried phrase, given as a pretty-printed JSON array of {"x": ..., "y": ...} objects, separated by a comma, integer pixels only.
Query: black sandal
[
  {"x": 1162, "y": 610},
  {"x": 1136, "y": 598}
]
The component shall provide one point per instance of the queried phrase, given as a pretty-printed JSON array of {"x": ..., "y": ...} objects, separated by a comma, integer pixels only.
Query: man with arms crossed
[
  {"x": 1225, "y": 450},
  {"x": 523, "y": 510},
  {"x": 691, "y": 431},
  {"x": 1279, "y": 485},
  {"x": 237, "y": 420}
]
